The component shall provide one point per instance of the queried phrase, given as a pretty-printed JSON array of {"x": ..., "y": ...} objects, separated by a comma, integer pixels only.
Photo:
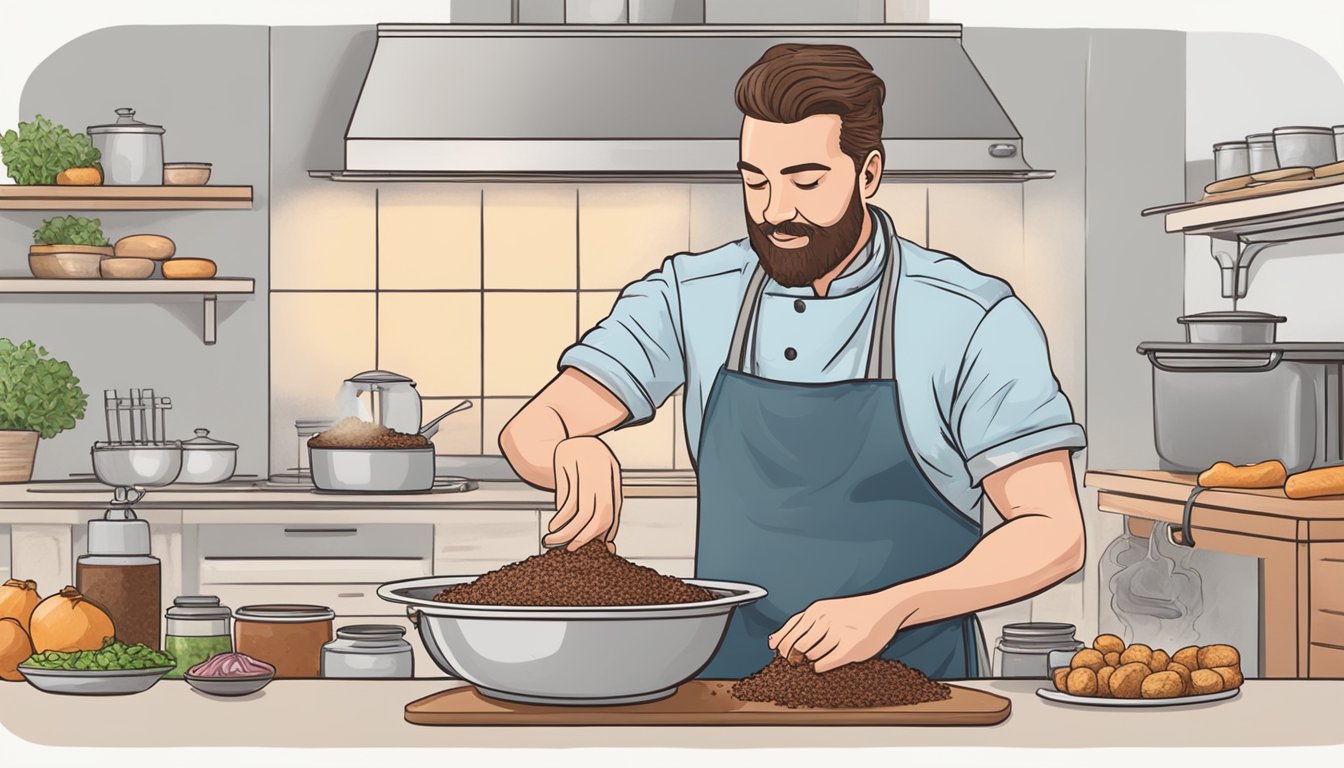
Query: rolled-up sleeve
[
  {"x": 1007, "y": 405},
  {"x": 637, "y": 351}
]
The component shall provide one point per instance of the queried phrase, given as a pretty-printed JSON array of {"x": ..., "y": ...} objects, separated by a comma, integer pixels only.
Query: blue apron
[{"x": 811, "y": 491}]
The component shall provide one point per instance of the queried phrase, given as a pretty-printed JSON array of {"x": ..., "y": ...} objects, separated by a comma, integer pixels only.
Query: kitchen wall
[
  {"x": 208, "y": 87},
  {"x": 1230, "y": 95}
]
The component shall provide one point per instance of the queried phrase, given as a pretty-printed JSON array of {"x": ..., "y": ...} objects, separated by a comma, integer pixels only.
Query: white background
[{"x": 34, "y": 29}]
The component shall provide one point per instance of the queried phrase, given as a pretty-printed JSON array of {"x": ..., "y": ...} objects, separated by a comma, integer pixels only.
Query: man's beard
[{"x": 826, "y": 246}]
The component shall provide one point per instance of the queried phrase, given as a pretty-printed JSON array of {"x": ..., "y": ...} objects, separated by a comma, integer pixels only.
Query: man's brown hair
[{"x": 792, "y": 82}]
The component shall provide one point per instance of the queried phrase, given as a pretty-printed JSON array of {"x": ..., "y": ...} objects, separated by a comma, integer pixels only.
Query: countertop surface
[
  {"x": 1176, "y": 487},
  {"x": 330, "y": 713},
  {"x": 241, "y": 502}
]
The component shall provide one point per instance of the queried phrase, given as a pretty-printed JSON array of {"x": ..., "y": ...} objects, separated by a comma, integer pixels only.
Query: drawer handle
[
  {"x": 323, "y": 531},
  {"x": 1220, "y": 364},
  {"x": 349, "y": 594}
]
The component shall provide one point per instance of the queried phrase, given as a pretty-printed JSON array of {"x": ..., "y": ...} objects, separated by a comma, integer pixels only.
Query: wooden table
[{"x": 1300, "y": 543}]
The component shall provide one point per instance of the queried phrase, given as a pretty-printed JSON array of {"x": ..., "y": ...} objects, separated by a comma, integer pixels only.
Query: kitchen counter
[
  {"x": 70, "y": 502},
  {"x": 1299, "y": 542},
  {"x": 329, "y": 713}
]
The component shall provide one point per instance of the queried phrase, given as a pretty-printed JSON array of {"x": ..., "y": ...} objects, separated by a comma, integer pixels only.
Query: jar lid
[
  {"x": 380, "y": 377},
  {"x": 1314, "y": 129},
  {"x": 371, "y": 632},
  {"x": 204, "y": 442},
  {"x": 312, "y": 422},
  {"x": 200, "y": 607},
  {"x": 1260, "y": 138},
  {"x": 1234, "y": 316},
  {"x": 126, "y": 123},
  {"x": 1229, "y": 145},
  {"x": 1039, "y": 630},
  {"x": 284, "y": 613}
]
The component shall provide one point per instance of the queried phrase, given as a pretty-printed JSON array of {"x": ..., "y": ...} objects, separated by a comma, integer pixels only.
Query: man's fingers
[
  {"x": 821, "y": 649},
  {"x": 597, "y": 524},
  {"x": 568, "y": 505},
  {"x": 813, "y": 636},
  {"x": 791, "y": 637},
  {"x": 617, "y": 497},
  {"x": 842, "y": 654},
  {"x": 784, "y": 630}
]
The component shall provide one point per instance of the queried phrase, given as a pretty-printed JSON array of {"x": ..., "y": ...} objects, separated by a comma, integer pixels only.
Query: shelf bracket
[
  {"x": 1237, "y": 271},
  {"x": 208, "y": 326}
]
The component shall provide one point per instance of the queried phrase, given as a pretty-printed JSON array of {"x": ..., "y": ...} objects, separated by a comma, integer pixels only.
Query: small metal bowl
[
  {"x": 93, "y": 682},
  {"x": 229, "y": 686}
]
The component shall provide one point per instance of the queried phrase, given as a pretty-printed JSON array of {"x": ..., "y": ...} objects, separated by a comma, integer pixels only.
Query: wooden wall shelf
[
  {"x": 208, "y": 290},
  {"x": 16, "y": 197}
]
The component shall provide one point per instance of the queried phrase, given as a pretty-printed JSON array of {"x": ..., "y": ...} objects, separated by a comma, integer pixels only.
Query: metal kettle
[{"x": 393, "y": 401}]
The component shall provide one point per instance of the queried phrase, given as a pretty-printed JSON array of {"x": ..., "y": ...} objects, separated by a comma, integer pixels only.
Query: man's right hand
[{"x": 587, "y": 494}]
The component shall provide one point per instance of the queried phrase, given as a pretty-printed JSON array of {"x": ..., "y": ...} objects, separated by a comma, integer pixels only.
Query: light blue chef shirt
[{"x": 974, "y": 382}]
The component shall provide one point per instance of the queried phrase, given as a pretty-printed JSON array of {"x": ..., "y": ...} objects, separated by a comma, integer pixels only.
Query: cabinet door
[
  {"x": 662, "y": 529},
  {"x": 473, "y": 541}
]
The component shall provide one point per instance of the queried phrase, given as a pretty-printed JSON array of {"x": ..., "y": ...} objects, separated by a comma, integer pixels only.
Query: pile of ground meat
[
  {"x": 588, "y": 576},
  {"x": 357, "y": 433},
  {"x": 873, "y": 683}
]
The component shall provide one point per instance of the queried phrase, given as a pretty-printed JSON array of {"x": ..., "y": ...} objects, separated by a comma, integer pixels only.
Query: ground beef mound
[
  {"x": 872, "y": 683},
  {"x": 355, "y": 433},
  {"x": 589, "y": 576}
]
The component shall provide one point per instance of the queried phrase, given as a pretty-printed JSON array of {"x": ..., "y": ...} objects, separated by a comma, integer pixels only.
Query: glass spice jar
[
  {"x": 198, "y": 628},
  {"x": 368, "y": 650},
  {"x": 1023, "y": 650}
]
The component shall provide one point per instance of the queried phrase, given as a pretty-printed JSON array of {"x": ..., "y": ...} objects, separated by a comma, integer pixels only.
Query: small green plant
[
  {"x": 70, "y": 230},
  {"x": 41, "y": 149},
  {"x": 36, "y": 391}
]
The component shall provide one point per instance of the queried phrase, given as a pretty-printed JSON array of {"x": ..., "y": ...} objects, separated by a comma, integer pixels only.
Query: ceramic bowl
[
  {"x": 229, "y": 686},
  {"x": 186, "y": 174}
]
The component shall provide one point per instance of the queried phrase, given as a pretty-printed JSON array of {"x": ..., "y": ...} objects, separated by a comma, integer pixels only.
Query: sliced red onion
[{"x": 231, "y": 665}]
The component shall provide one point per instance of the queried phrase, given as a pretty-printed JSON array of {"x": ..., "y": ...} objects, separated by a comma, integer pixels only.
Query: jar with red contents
[{"x": 289, "y": 637}]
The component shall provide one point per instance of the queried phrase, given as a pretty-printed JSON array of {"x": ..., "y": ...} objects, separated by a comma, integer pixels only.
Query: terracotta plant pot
[
  {"x": 18, "y": 451},
  {"x": 67, "y": 261}
]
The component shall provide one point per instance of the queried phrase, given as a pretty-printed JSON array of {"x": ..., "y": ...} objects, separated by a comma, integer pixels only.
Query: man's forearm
[
  {"x": 528, "y": 442},
  {"x": 995, "y": 571}
]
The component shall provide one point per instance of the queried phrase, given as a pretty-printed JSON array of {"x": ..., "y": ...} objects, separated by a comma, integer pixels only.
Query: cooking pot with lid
[{"x": 132, "y": 151}]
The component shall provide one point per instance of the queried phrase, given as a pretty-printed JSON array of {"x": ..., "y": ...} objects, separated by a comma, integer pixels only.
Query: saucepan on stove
[
  {"x": 354, "y": 455},
  {"x": 207, "y": 460}
]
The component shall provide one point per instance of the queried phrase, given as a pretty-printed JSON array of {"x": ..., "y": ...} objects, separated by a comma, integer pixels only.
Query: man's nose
[{"x": 781, "y": 208}]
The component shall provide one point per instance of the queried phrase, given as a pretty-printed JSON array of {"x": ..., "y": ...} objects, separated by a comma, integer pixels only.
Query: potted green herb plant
[
  {"x": 39, "y": 397},
  {"x": 43, "y": 152},
  {"x": 68, "y": 247}
]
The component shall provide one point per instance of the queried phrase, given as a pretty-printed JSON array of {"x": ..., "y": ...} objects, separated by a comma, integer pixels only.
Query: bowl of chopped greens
[{"x": 115, "y": 669}]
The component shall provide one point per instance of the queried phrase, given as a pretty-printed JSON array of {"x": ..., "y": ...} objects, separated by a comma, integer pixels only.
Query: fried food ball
[
  {"x": 1184, "y": 672},
  {"x": 1160, "y": 660},
  {"x": 1137, "y": 652},
  {"x": 1205, "y": 681},
  {"x": 1126, "y": 682},
  {"x": 1162, "y": 685},
  {"x": 1109, "y": 644},
  {"x": 1088, "y": 658},
  {"x": 1231, "y": 677},
  {"x": 1104, "y": 682},
  {"x": 1082, "y": 682},
  {"x": 1061, "y": 677},
  {"x": 1211, "y": 656},
  {"x": 1187, "y": 657}
]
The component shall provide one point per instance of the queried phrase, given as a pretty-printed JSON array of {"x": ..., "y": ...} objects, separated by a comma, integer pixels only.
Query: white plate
[{"x": 1096, "y": 701}]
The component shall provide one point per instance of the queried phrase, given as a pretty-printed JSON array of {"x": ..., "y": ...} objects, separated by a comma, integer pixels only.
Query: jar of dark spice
[
  {"x": 198, "y": 628},
  {"x": 119, "y": 575},
  {"x": 289, "y": 637}
]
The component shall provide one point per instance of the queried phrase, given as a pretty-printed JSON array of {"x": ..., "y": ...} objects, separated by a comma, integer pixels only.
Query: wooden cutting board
[{"x": 703, "y": 702}]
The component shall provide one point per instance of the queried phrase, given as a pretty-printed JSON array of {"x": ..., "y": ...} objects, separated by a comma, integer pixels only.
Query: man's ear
[{"x": 871, "y": 174}]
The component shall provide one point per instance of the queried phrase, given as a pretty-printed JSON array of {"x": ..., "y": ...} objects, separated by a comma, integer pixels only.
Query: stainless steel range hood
[{"x": 616, "y": 102}]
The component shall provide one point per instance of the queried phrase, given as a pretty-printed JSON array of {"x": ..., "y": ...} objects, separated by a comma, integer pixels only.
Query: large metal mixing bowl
[{"x": 574, "y": 656}]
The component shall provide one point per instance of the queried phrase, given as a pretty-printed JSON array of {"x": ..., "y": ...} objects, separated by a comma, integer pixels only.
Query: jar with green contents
[{"x": 198, "y": 628}]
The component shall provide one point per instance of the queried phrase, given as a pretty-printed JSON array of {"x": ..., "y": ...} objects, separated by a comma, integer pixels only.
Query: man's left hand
[{"x": 840, "y": 631}]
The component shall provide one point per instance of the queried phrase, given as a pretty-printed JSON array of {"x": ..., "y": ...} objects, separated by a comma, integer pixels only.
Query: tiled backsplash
[{"x": 475, "y": 291}]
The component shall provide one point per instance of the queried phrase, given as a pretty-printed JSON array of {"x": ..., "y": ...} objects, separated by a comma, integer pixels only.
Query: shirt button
[
  {"x": 799, "y": 306},
  {"x": 790, "y": 354}
]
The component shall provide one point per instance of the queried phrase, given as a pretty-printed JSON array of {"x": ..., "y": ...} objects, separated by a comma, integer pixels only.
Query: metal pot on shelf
[{"x": 132, "y": 151}]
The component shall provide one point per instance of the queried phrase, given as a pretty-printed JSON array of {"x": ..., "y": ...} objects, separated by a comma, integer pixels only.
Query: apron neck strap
[{"x": 881, "y": 354}]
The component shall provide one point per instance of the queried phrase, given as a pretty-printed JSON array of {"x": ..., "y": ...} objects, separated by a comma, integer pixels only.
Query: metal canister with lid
[
  {"x": 289, "y": 637},
  {"x": 1260, "y": 153},
  {"x": 198, "y": 628},
  {"x": 132, "y": 151},
  {"x": 370, "y": 651},
  {"x": 1023, "y": 650}
]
